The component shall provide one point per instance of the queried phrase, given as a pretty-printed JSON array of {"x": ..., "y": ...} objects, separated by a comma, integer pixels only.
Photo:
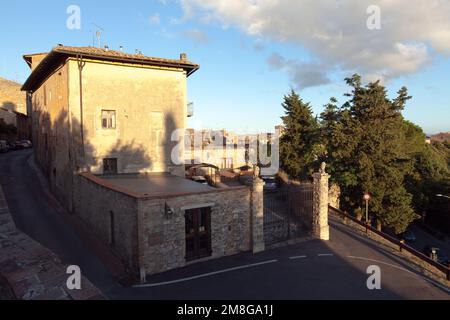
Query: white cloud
[
  {"x": 196, "y": 35},
  {"x": 335, "y": 33},
  {"x": 154, "y": 19},
  {"x": 302, "y": 74}
]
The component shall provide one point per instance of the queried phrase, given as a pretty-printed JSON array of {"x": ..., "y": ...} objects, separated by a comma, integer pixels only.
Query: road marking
[
  {"x": 205, "y": 275},
  {"x": 298, "y": 257},
  {"x": 381, "y": 262},
  {"x": 406, "y": 270},
  {"x": 326, "y": 255}
]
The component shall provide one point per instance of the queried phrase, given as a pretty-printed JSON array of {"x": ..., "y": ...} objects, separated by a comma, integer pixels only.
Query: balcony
[{"x": 190, "y": 110}]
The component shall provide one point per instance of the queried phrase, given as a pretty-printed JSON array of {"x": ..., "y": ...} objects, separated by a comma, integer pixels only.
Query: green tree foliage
[
  {"x": 299, "y": 143},
  {"x": 365, "y": 149},
  {"x": 369, "y": 147},
  {"x": 431, "y": 176}
]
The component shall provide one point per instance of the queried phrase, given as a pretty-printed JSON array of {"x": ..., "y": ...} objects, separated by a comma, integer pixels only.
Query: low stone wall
[
  {"x": 421, "y": 265},
  {"x": 163, "y": 237},
  {"x": 106, "y": 211}
]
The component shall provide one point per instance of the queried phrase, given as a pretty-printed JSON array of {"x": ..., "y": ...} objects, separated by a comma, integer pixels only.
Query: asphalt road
[
  {"x": 309, "y": 270},
  {"x": 33, "y": 214}
]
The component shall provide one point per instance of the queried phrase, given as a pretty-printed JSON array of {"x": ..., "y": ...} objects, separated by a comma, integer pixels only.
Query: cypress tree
[{"x": 298, "y": 145}]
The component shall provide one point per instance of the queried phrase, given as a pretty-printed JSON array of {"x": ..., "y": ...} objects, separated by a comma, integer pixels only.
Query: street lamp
[
  {"x": 367, "y": 199},
  {"x": 442, "y": 196}
]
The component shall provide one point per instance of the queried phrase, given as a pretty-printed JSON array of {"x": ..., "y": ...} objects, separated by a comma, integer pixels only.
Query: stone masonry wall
[
  {"x": 94, "y": 204},
  {"x": 163, "y": 237}
]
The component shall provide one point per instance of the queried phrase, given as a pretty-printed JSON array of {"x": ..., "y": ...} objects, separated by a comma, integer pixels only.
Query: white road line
[
  {"x": 403, "y": 269},
  {"x": 381, "y": 262},
  {"x": 205, "y": 275},
  {"x": 325, "y": 255},
  {"x": 298, "y": 257}
]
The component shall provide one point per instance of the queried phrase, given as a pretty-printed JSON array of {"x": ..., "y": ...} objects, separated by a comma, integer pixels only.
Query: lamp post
[
  {"x": 367, "y": 199},
  {"x": 442, "y": 196}
]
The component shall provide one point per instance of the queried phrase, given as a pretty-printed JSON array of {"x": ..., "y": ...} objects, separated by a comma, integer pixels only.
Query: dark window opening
[
  {"x": 108, "y": 119},
  {"x": 110, "y": 166},
  {"x": 198, "y": 234}
]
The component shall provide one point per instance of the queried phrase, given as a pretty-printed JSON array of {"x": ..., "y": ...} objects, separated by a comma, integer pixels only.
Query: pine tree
[
  {"x": 366, "y": 152},
  {"x": 299, "y": 143}
]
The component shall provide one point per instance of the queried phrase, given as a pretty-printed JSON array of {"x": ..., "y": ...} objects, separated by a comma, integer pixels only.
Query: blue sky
[{"x": 248, "y": 61}]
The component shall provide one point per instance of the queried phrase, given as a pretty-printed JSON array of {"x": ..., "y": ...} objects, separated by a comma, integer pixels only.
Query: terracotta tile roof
[
  {"x": 107, "y": 53},
  {"x": 60, "y": 53}
]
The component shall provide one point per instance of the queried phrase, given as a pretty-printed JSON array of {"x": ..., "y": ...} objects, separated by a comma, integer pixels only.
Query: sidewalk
[{"x": 32, "y": 271}]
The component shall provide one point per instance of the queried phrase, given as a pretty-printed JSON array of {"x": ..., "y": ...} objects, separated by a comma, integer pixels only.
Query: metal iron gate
[{"x": 287, "y": 213}]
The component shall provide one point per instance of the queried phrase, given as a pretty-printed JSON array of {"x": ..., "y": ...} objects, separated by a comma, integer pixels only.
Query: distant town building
[
  {"x": 13, "y": 111},
  {"x": 441, "y": 137}
]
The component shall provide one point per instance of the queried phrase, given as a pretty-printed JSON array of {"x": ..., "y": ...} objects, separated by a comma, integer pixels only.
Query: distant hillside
[
  {"x": 441, "y": 137},
  {"x": 11, "y": 97}
]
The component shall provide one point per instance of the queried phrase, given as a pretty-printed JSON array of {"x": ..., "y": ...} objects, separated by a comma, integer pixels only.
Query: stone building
[
  {"x": 102, "y": 124},
  {"x": 13, "y": 111}
]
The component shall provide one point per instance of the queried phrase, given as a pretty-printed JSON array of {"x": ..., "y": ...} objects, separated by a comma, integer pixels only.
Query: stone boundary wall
[
  {"x": 32, "y": 271},
  {"x": 420, "y": 265}
]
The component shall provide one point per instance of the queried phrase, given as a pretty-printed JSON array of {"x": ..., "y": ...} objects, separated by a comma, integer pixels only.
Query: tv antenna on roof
[{"x": 97, "y": 36}]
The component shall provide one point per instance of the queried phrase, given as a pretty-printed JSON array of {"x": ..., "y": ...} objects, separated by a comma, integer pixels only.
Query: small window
[
  {"x": 108, "y": 119},
  {"x": 110, "y": 166}
]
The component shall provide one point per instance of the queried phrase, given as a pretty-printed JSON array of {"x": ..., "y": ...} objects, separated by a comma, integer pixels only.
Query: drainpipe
[{"x": 81, "y": 65}]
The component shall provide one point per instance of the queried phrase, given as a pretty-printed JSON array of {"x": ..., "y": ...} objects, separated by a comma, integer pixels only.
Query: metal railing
[{"x": 401, "y": 244}]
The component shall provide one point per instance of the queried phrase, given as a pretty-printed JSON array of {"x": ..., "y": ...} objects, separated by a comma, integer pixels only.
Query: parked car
[
  {"x": 18, "y": 145},
  {"x": 11, "y": 145},
  {"x": 201, "y": 180},
  {"x": 26, "y": 144},
  {"x": 408, "y": 236},
  {"x": 436, "y": 254},
  {"x": 4, "y": 147},
  {"x": 271, "y": 183}
]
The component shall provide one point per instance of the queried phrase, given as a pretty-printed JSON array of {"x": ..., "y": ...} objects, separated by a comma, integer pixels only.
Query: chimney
[
  {"x": 183, "y": 57},
  {"x": 121, "y": 48},
  {"x": 106, "y": 48}
]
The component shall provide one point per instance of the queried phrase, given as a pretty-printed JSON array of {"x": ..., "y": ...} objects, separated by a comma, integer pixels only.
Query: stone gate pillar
[
  {"x": 321, "y": 229},
  {"x": 257, "y": 211}
]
